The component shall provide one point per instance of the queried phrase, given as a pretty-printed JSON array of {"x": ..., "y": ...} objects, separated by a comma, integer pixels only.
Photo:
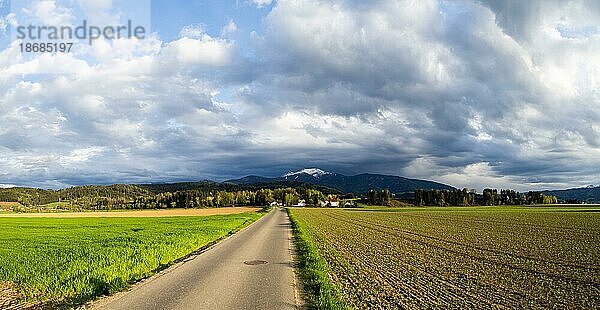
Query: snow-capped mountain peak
[{"x": 315, "y": 172}]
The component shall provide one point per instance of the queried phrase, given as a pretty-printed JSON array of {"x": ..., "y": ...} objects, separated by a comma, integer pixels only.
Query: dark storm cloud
[
  {"x": 460, "y": 76},
  {"x": 464, "y": 92},
  {"x": 517, "y": 18}
]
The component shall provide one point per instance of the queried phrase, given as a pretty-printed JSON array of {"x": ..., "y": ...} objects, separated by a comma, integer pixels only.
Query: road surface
[{"x": 220, "y": 278}]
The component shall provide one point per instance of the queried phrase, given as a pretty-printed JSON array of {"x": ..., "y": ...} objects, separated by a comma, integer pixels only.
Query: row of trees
[
  {"x": 490, "y": 197},
  {"x": 443, "y": 198},
  {"x": 200, "y": 199},
  {"x": 137, "y": 197},
  {"x": 511, "y": 197},
  {"x": 379, "y": 197}
]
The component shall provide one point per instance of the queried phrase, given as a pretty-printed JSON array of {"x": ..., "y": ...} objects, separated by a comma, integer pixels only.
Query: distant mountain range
[
  {"x": 356, "y": 184},
  {"x": 590, "y": 194},
  {"x": 315, "y": 178}
]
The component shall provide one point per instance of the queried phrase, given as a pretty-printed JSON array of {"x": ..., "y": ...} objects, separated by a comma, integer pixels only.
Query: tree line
[
  {"x": 490, "y": 197},
  {"x": 31, "y": 197},
  {"x": 209, "y": 195},
  {"x": 379, "y": 197},
  {"x": 443, "y": 198},
  {"x": 218, "y": 199},
  {"x": 132, "y": 197}
]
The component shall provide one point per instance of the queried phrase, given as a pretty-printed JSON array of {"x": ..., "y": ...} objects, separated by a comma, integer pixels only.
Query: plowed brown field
[{"x": 461, "y": 258}]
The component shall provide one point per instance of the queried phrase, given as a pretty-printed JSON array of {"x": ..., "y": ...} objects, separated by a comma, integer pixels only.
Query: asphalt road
[{"x": 220, "y": 279}]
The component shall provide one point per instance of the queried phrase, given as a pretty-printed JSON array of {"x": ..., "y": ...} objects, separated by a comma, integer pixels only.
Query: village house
[{"x": 301, "y": 203}]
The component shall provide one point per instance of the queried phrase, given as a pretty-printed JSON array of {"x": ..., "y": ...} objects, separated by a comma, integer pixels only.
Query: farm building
[{"x": 301, "y": 203}]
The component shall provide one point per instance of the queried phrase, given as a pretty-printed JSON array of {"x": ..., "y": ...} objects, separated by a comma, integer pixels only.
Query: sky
[{"x": 476, "y": 93}]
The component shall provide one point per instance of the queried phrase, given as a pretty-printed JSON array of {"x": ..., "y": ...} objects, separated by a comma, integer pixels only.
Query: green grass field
[
  {"x": 71, "y": 261},
  {"x": 482, "y": 257},
  {"x": 55, "y": 205}
]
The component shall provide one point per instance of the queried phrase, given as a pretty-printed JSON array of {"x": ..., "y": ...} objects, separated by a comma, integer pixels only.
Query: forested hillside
[
  {"x": 207, "y": 195},
  {"x": 29, "y": 196},
  {"x": 358, "y": 184},
  {"x": 590, "y": 194}
]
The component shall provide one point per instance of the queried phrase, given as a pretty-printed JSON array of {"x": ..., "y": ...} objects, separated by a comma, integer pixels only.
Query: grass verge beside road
[{"x": 321, "y": 293}]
